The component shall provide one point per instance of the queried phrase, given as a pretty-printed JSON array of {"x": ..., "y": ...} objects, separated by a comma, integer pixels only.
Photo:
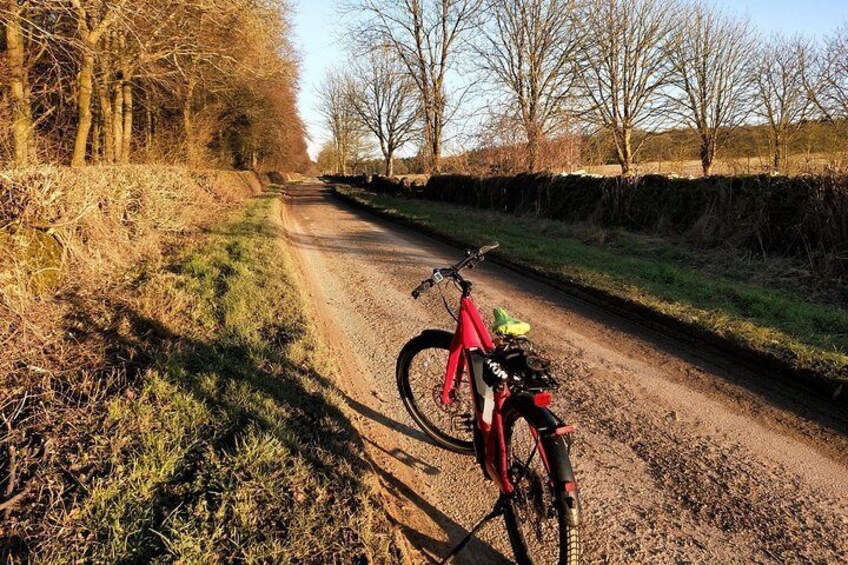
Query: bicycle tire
[
  {"x": 568, "y": 538},
  {"x": 429, "y": 339}
]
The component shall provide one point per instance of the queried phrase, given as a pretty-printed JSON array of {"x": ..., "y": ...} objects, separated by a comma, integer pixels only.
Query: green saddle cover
[{"x": 507, "y": 325}]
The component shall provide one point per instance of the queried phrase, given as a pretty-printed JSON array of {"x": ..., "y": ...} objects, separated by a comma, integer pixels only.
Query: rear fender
[
  {"x": 556, "y": 451},
  {"x": 555, "y": 446}
]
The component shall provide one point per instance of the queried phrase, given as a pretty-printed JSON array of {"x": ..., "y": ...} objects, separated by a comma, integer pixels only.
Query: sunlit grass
[{"x": 235, "y": 446}]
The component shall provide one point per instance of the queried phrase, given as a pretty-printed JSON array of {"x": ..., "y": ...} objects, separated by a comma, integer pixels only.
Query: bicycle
[{"x": 473, "y": 393}]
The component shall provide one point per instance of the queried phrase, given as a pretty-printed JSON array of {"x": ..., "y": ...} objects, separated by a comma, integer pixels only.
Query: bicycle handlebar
[{"x": 468, "y": 262}]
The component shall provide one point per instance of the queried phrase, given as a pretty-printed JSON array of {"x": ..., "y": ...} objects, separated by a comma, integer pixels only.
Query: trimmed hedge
[
  {"x": 790, "y": 216},
  {"x": 393, "y": 186}
]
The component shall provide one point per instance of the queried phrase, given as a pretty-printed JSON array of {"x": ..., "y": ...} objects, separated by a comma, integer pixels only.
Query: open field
[{"x": 812, "y": 163}]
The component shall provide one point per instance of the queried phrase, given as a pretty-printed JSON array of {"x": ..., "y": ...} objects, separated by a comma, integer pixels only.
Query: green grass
[
  {"x": 804, "y": 324},
  {"x": 234, "y": 446}
]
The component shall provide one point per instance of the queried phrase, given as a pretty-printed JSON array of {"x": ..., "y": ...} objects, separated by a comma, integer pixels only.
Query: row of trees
[
  {"x": 208, "y": 82},
  {"x": 621, "y": 67},
  {"x": 376, "y": 99}
]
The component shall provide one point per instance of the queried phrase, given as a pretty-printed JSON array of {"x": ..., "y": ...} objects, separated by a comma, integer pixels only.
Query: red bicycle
[{"x": 473, "y": 393}]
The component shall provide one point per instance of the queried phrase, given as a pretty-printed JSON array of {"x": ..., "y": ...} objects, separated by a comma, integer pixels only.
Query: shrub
[
  {"x": 790, "y": 216},
  {"x": 100, "y": 219}
]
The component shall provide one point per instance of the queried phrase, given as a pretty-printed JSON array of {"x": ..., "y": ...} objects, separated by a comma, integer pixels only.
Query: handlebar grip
[{"x": 422, "y": 288}]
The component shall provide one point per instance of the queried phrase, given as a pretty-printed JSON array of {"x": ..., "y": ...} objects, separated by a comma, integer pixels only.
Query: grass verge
[
  {"x": 723, "y": 298},
  {"x": 232, "y": 445}
]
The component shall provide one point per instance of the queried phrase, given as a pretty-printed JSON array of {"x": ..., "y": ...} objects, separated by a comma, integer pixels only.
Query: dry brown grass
[
  {"x": 72, "y": 244},
  {"x": 800, "y": 163},
  {"x": 65, "y": 231},
  {"x": 65, "y": 226},
  {"x": 179, "y": 408}
]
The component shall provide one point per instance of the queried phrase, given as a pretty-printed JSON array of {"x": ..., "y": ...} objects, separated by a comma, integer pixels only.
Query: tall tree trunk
[
  {"x": 627, "y": 147},
  {"x": 95, "y": 140},
  {"x": 128, "y": 119},
  {"x": 90, "y": 38},
  {"x": 778, "y": 157},
  {"x": 390, "y": 165},
  {"x": 15, "y": 57},
  {"x": 106, "y": 126},
  {"x": 532, "y": 149},
  {"x": 118, "y": 118},
  {"x": 433, "y": 124},
  {"x": 86, "y": 76},
  {"x": 622, "y": 136},
  {"x": 708, "y": 151},
  {"x": 436, "y": 150}
]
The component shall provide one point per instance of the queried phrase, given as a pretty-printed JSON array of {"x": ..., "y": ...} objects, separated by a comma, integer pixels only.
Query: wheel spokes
[
  {"x": 533, "y": 498},
  {"x": 426, "y": 378}
]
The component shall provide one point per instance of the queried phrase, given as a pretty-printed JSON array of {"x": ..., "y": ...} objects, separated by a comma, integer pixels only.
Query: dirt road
[{"x": 681, "y": 458}]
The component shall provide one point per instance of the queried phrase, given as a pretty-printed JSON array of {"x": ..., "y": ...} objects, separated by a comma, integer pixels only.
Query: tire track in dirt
[{"x": 679, "y": 461}]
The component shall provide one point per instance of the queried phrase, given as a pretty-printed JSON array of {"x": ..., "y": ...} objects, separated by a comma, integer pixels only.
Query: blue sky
[{"x": 316, "y": 22}]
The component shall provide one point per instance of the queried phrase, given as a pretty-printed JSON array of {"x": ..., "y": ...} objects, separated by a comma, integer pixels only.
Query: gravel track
[{"x": 681, "y": 456}]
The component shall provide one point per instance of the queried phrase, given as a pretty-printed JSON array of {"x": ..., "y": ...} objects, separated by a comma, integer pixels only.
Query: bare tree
[
  {"x": 782, "y": 96},
  {"x": 624, "y": 68},
  {"x": 529, "y": 48},
  {"x": 425, "y": 35},
  {"x": 18, "y": 87},
  {"x": 35, "y": 54},
  {"x": 340, "y": 117},
  {"x": 831, "y": 90},
  {"x": 709, "y": 53},
  {"x": 94, "y": 18},
  {"x": 77, "y": 65},
  {"x": 386, "y": 101}
]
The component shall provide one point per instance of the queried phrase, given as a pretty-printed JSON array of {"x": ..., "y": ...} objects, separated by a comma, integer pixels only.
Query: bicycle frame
[
  {"x": 503, "y": 394},
  {"x": 470, "y": 344}
]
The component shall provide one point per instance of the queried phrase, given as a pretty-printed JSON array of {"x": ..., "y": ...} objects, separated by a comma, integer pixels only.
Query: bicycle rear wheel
[
  {"x": 541, "y": 519},
  {"x": 420, "y": 376}
]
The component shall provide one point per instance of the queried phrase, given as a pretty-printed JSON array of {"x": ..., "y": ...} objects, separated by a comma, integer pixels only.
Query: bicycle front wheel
[
  {"x": 540, "y": 518},
  {"x": 420, "y": 375}
]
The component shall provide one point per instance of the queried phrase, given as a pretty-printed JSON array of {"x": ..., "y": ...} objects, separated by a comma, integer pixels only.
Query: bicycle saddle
[{"x": 507, "y": 325}]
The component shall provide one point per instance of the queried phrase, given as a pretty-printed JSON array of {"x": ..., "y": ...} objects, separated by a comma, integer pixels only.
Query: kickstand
[{"x": 498, "y": 510}]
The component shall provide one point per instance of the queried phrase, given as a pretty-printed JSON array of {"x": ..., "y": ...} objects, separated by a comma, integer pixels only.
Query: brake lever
[
  {"x": 426, "y": 285},
  {"x": 422, "y": 288}
]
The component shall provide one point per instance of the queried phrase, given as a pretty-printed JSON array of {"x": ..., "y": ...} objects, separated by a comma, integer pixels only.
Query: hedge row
[
  {"x": 790, "y": 216},
  {"x": 394, "y": 186}
]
